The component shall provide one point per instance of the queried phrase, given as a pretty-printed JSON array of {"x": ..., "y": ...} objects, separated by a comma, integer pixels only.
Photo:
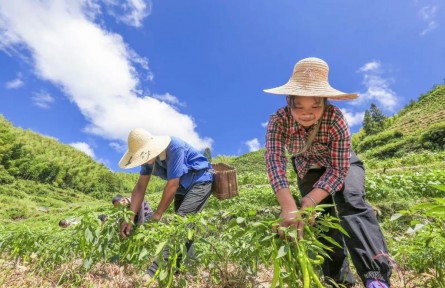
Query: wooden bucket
[{"x": 225, "y": 183}]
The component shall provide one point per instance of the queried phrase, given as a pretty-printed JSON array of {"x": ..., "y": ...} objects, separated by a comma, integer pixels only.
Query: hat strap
[{"x": 154, "y": 166}]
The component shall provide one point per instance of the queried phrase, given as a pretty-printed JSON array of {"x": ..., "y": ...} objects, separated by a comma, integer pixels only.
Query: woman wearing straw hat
[
  {"x": 317, "y": 135},
  {"x": 186, "y": 171}
]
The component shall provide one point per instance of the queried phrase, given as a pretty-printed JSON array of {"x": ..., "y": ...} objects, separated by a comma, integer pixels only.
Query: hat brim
[
  {"x": 155, "y": 147},
  {"x": 325, "y": 91}
]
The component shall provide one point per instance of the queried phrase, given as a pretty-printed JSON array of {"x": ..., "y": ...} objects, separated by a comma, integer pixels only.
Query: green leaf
[
  {"x": 395, "y": 217},
  {"x": 87, "y": 263},
  {"x": 143, "y": 253},
  {"x": 240, "y": 220},
  {"x": 440, "y": 187},
  {"x": 437, "y": 211},
  {"x": 88, "y": 235},
  {"x": 415, "y": 229},
  {"x": 267, "y": 237},
  {"x": 440, "y": 201},
  {"x": 163, "y": 275},
  {"x": 283, "y": 251},
  {"x": 332, "y": 241},
  {"x": 160, "y": 247},
  {"x": 252, "y": 212},
  {"x": 203, "y": 221},
  {"x": 138, "y": 236}
]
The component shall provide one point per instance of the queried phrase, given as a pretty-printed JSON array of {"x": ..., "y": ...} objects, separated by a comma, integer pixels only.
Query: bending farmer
[
  {"x": 186, "y": 171},
  {"x": 317, "y": 135}
]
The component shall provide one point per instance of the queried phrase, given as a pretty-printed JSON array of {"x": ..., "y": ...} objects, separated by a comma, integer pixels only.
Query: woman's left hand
[
  {"x": 307, "y": 203},
  {"x": 156, "y": 216}
]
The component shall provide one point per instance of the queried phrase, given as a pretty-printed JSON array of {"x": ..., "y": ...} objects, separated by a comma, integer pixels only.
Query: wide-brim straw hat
[
  {"x": 310, "y": 78},
  {"x": 142, "y": 147}
]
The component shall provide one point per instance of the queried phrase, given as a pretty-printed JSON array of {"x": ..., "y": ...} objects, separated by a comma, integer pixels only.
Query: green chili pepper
[
  {"x": 303, "y": 265},
  {"x": 314, "y": 276},
  {"x": 318, "y": 261}
]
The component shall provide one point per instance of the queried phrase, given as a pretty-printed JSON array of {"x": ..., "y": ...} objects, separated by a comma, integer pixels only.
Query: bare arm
[
  {"x": 289, "y": 210},
  {"x": 287, "y": 203},
  {"x": 317, "y": 195},
  {"x": 167, "y": 198},
  {"x": 136, "y": 200},
  {"x": 138, "y": 194}
]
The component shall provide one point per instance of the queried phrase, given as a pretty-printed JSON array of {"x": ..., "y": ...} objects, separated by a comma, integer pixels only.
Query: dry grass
[{"x": 111, "y": 275}]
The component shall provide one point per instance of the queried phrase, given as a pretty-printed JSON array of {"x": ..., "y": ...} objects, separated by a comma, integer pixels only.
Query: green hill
[
  {"x": 39, "y": 174},
  {"x": 417, "y": 128}
]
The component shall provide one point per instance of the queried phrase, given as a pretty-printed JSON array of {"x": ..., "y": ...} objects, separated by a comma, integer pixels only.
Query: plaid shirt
[{"x": 329, "y": 149}]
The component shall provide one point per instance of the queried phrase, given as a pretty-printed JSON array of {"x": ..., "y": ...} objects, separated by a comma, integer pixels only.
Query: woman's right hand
[
  {"x": 289, "y": 213},
  {"x": 293, "y": 220}
]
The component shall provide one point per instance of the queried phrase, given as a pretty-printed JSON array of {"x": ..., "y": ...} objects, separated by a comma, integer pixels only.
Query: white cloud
[
  {"x": 264, "y": 124},
  {"x": 131, "y": 12},
  {"x": 118, "y": 147},
  {"x": 428, "y": 14},
  {"x": 353, "y": 118},
  {"x": 377, "y": 88},
  {"x": 42, "y": 99},
  {"x": 93, "y": 66},
  {"x": 253, "y": 144},
  {"x": 84, "y": 147},
  {"x": 168, "y": 98},
  {"x": 14, "y": 84},
  {"x": 370, "y": 66}
]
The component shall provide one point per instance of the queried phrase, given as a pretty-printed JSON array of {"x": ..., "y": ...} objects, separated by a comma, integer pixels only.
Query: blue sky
[{"x": 86, "y": 72}]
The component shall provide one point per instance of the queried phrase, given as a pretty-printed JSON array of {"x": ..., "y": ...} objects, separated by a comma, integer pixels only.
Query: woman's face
[{"x": 306, "y": 110}]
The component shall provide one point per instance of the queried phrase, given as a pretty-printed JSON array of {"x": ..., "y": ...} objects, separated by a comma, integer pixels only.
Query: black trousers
[
  {"x": 365, "y": 243},
  {"x": 193, "y": 201}
]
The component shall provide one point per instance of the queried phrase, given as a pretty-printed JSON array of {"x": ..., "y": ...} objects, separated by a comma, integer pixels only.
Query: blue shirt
[{"x": 182, "y": 161}]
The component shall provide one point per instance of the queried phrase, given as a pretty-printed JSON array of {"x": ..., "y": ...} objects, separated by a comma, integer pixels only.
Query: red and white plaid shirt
[{"x": 329, "y": 149}]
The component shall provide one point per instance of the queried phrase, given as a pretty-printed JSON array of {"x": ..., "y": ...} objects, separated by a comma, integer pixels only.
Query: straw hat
[
  {"x": 142, "y": 147},
  {"x": 310, "y": 78}
]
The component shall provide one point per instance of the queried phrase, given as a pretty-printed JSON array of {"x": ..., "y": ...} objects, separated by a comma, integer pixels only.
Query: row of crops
[{"x": 234, "y": 242}]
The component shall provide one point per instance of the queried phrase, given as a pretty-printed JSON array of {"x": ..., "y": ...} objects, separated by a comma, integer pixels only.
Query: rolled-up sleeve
[
  {"x": 334, "y": 177},
  {"x": 275, "y": 155}
]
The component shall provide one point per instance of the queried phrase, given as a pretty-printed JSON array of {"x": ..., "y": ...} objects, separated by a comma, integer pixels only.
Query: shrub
[
  {"x": 434, "y": 137},
  {"x": 378, "y": 140}
]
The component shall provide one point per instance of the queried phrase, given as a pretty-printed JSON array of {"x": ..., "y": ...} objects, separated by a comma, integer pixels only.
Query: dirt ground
[{"x": 111, "y": 275}]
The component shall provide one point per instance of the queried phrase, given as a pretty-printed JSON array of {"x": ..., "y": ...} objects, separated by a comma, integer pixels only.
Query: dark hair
[
  {"x": 64, "y": 223},
  {"x": 117, "y": 198},
  {"x": 102, "y": 217}
]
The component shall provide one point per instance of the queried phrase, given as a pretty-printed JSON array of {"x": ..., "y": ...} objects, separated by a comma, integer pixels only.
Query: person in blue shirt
[{"x": 187, "y": 172}]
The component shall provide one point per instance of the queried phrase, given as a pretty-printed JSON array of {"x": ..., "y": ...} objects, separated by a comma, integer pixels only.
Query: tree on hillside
[
  {"x": 208, "y": 154},
  {"x": 374, "y": 120},
  {"x": 367, "y": 123},
  {"x": 377, "y": 115}
]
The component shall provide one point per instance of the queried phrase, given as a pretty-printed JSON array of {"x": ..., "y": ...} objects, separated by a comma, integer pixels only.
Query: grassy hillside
[
  {"x": 41, "y": 176},
  {"x": 417, "y": 128}
]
